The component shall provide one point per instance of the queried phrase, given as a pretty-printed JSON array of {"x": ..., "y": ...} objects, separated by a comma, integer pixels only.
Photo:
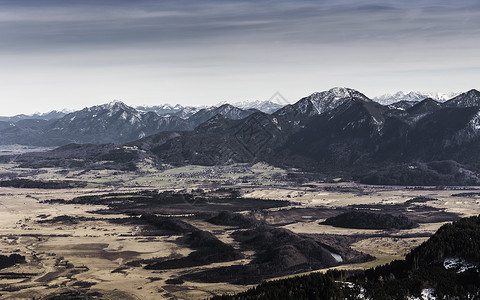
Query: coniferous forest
[{"x": 447, "y": 264}]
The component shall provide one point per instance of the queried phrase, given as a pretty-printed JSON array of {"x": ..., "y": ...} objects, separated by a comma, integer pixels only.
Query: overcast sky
[{"x": 72, "y": 54}]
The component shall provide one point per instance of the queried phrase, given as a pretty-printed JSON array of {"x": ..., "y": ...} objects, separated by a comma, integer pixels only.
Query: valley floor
[{"x": 78, "y": 247}]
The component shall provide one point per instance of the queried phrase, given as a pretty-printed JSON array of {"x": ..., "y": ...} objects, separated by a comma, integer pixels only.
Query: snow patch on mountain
[
  {"x": 427, "y": 294},
  {"x": 475, "y": 122},
  {"x": 459, "y": 265},
  {"x": 331, "y": 99}
]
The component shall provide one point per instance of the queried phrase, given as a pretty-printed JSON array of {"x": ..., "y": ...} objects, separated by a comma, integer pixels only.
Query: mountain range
[
  {"x": 183, "y": 112},
  {"x": 114, "y": 122},
  {"x": 340, "y": 127},
  {"x": 334, "y": 130},
  {"x": 54, "y": 114},
  {"x": 387, "y": 99},
  {"x": 267, "y": 106},
  {"x": 118, "y": 123}
]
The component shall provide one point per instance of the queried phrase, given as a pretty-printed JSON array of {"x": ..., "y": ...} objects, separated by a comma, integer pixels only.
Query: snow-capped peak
[
  {"x": 388, "y": 99},
  {"x": 116, "y": 103},
  {"x": 320, "y": 102},
  {"x": 340, "y": 92},
  {"x": 178, "y": 110},
  {"x": 266, "y": 106}
]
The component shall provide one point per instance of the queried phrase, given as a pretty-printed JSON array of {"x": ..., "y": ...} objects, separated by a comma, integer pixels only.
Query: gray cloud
[
  {"x": 153, "y": 22},
  {"x": 154, "y": 49}
]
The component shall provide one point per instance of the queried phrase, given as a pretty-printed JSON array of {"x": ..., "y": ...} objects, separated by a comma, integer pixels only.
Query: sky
[{"x": 57, "y": 54}]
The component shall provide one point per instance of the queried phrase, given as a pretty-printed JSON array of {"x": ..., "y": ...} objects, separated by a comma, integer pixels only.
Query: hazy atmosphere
[{"x": 72, "y": 54}]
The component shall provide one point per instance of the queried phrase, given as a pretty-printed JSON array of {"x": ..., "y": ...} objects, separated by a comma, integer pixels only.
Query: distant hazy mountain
[
  {"x": 109, "y": 123},
  {"x": 178, "y": 110},
  {"x": 186, "y": 112},
  {"x": 114, "y": 122},
  {"x": 183, "y": 112},
  {"x": 387, "y": 99},
  {"x": 226, "y": 110},
  {"x": 267, "y": 106},
  {"x": 54, "y": 114}
]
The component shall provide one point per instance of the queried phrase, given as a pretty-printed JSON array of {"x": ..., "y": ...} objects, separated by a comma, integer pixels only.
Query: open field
[
  {"x": 100, "y": 246},
  {"x": 20, "y": 149}
]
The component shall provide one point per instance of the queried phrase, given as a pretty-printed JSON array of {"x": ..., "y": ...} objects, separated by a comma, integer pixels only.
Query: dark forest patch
[
  {"x": 369, "y": 220},
  {"x": 64, "y": 219},
  {"x": 435, "y": 173},
  {"x": 12, "y": 259},
  {"x": 38, "y": 184},
  {"x": 153, "y": 202},
  {"x": 422, "y": 269},
  {"x": 417, "y": 213},
  {"x": 227, "y": 218}
]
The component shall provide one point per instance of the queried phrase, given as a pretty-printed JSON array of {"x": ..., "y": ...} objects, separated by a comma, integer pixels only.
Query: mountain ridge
[
  {"x": 113, "y": 122},
  {"x": 388, "y": 98},
  {"x": 339, "y": 130}
]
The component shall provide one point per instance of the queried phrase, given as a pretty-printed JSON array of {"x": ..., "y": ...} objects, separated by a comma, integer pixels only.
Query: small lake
[{"x": 337, "y": 257}]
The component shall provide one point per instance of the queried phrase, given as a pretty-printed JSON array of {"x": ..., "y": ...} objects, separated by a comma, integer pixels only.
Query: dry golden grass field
[{"x": 92, "y": 254}]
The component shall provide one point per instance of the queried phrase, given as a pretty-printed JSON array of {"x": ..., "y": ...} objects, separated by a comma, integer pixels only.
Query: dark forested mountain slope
[
  {"x": 357, "y": 132},
  {"x": 403, "y": 105},
  {"x": 217, "y": 141},
  {"x": 350, "y": 134},
  {"x": 425, "y": 106},
  {"x": 468, "y": 99},
  {"x": 361, "y": 132},
  {"x": 339, "y": 129},
  {"x": 295, "y": 115},
  {"x": 226, "y": 110},
  {"x": 448, "y": 133},
  {"x": 447, "y": 266}
]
